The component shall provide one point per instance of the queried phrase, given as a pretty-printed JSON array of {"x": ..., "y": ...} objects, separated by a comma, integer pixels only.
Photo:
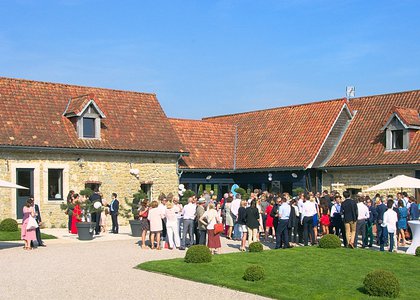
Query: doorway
[{"x": 24, "y": 177}]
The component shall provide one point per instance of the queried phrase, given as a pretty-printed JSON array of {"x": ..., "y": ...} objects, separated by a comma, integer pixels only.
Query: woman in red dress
[
  {"x": 77, "y": 212},
  {"x": 269, "y": 220},
  {"x": 325, "y": 218}
]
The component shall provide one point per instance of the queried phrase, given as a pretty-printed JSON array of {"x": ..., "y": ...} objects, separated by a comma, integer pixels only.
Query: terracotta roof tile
[
  {"x": 32, "y": 115},
  {"x": 284, "y": 137},
  {"x": 76, "y": 105},
  {"x": 210, "y": 144},
  {"x": 364, "y": 142},
  {"x": 410, "y": 116}
]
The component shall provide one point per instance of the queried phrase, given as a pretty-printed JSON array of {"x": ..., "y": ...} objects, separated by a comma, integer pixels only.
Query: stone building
[
  {"x": 59, "y": 137},
  {"x": 335, "y": 145}
]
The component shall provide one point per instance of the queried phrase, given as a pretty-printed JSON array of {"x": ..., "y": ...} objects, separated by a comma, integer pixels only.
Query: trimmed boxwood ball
[
  {"x": 198, "y": 254},
  {"x": 9, "y": 225},
  {"x": 418, "y": 251},
  {"x": 381, "y": 283},
  {"x": 254, "y": 273},
  {"x": 330, "y": 241},
  {"x": 255, "y": 247}
]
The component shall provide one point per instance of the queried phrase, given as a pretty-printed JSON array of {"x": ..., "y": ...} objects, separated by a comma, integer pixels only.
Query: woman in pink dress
[{"x": 28, "y": 235}]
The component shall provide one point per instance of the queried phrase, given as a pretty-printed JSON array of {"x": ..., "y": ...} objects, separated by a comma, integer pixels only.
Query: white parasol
[
  {"x": 7, "y": 184},
  {"x": 400, "y": 181}
]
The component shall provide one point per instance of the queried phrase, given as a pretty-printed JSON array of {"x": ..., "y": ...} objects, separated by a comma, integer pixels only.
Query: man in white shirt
[
  {"x": 307, "y": 217},
  {"x": 283, "y": 214},
  {"x": 234, "y": 208},
  {"x": 362, "y": 217},
  {"x": 162, "y": 208},
  {"x": 389, "y": 225},
  {"x": 188, "y": 214}
]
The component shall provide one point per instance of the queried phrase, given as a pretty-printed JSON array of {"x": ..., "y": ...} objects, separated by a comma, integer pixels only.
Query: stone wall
[
  {"x": 363, "y": 179},
  {"x": 113, "y": 171}
]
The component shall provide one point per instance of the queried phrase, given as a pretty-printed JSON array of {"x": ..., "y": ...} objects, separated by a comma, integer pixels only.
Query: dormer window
[
  {"x": 86, "y": 116},
  {"x": 399, "y": 126}
]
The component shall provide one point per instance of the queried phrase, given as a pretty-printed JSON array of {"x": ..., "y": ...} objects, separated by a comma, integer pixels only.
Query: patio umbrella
[
  {"x": 7, "y": 184},
  {"x": 400, "y": 181}
]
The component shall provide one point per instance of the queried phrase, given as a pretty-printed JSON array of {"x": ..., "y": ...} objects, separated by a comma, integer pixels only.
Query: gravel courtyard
[{"x": 98, "y": 269}]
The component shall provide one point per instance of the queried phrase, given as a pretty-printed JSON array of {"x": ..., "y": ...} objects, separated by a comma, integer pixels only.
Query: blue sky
[{"x": 206, "y": 58}]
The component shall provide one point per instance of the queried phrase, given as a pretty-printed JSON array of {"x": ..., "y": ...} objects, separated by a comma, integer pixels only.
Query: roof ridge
[
  {"x": 386, "y": 94},
  {"x": 182, "y": 119},
  {"x": 75, "y": 85},
  {"x": 201, "y": 121},
  {"x": 279, "y": 107}
]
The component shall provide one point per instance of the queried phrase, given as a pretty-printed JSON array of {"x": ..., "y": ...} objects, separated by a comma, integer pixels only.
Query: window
[
  {"x": 397, "y": 139},
  {"x": 147, "y": 189},
  {"x": 55, "y": 184},
  {"x": 89, "y": 128}
]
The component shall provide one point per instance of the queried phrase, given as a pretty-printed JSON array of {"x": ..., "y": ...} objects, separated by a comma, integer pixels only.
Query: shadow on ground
[{"x": 8, "y": 245}]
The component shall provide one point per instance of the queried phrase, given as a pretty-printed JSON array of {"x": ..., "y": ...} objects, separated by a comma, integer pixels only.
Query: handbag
[
  {"x": 32, "y": 224},
  {"x": 218, "y": 228}
]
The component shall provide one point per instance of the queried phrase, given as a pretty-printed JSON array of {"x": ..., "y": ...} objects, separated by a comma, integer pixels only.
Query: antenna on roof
[{"x": 350, "y": 91}]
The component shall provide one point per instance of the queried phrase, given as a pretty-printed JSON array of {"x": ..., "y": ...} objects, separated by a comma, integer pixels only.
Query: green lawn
[
  {"x": 15, "y": 236},
  {"x": 299, "y": 273}
]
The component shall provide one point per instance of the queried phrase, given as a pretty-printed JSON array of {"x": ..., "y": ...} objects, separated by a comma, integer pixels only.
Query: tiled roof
[
  {"x": 285, "y": 137},
  {"x": 77, "y": 105},
  {"x": 210, "y": 144},
  {"x": 31, "y": 115},
  {"x": 364, "y": 142},
  {"x": 410, "y": 116}
]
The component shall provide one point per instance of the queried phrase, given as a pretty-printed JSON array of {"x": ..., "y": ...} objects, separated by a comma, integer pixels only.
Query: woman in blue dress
[{"x": 402, "y": 222}]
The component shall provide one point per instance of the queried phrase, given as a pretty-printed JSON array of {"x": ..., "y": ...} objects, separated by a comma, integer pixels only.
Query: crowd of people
[{"x": 279, "y": 219}]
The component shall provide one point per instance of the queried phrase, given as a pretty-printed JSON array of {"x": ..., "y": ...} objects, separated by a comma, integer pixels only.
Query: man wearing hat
[{"x": 202, "y": 229}]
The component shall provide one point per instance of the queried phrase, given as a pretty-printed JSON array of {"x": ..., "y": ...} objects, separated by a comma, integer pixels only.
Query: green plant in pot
[
  {"x": 132, "y": 211},
  {"x": 85, "y": 228}
]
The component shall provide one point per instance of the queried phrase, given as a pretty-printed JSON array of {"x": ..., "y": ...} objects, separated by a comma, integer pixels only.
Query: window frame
[
  {"x": 93, "y": 120},
  {"x": 397, "y": 139},
  {"x": 59, "y": 184}
]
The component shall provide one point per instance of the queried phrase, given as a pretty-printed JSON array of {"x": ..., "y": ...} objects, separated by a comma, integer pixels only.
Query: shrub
[
  {"x": 9, "y": 225},
  {"x": 244, "y": 194},
  {"x": 330, "y": 241},
  {"x": 381, "y": 283},
  {"x": 418, "y": 251},
  {"x": 254, "y": 273},
  {"x": 198, "y": 254},
  {"x": 87, "y": 192},
  {"x": 255, "y": 247}
]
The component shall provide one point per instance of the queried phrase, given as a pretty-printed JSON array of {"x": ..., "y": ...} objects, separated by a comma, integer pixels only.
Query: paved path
[{"x": 98, "y": 269}]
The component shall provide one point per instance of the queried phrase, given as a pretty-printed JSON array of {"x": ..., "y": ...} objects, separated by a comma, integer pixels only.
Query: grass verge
[
  {"x": 15, "y": 236},
  {"x": 299, "y": 273}
]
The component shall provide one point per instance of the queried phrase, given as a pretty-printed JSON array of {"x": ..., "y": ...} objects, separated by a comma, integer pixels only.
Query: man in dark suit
[
  {"x": 380, "y": 210},
  {"x": 96, "y": 216},
  {"x": 37, "y": 230},
  {"x": 350, "y": 213},
  {"x": 113, "y": 210}
]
